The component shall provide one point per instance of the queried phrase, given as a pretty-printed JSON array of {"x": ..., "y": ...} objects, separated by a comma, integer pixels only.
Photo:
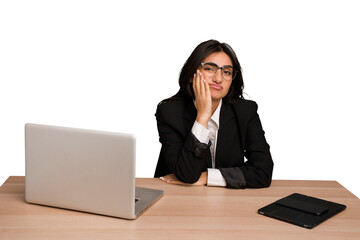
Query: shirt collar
[{"x": 216, "y": 116}]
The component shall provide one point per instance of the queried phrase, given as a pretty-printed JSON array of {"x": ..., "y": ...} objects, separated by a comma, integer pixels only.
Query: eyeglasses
[{"x": 210, "y": 69}]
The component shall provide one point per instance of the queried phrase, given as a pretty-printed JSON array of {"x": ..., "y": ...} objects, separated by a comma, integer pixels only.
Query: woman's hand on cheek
[{"x": 203, "y": 101}]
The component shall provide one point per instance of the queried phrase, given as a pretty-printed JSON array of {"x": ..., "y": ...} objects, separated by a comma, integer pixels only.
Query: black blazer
[{"x": 240, "y": 135}]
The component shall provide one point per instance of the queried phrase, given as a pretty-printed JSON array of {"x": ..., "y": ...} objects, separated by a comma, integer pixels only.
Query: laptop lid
[{"x": 85, "y": 170}]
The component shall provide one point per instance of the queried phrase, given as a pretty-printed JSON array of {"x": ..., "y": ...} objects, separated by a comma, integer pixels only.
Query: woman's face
[{"x": 219, "y": 86}]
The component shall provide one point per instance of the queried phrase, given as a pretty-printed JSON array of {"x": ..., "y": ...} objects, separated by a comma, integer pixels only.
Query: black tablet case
[{"x": 302, "y": 210}]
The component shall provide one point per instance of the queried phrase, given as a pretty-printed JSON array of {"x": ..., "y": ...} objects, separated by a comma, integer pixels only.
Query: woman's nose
[{"x": 218, "y": 76}]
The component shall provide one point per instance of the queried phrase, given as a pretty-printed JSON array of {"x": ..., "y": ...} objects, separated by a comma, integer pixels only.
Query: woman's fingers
[
  {"x": 202, "y": 99},
  {"x": 198, "y": 84},
  {"x": 171, "y": 178},
  {"x": 203, "y": 85},
  {"x": 197, "y": 88},
  {"x": 207, "y": 91}
]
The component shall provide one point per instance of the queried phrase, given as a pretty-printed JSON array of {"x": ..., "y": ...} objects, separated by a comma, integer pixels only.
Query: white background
[{"x": 105, "y": 65}]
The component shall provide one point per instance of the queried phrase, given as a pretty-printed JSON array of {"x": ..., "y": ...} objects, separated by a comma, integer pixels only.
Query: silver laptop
[{"x": 84, "y": 170}]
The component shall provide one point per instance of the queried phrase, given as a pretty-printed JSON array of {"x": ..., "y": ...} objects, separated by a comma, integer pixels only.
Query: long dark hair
[{"x": 203, "y": 50}]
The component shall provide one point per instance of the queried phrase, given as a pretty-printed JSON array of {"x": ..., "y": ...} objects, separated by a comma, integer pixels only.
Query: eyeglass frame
[{"x": 222, "y": 68}]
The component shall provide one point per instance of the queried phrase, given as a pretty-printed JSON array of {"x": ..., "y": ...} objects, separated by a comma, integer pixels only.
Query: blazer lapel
[
  {"x": 226, "y": 117},
  {"x": 240, "y": 115}
]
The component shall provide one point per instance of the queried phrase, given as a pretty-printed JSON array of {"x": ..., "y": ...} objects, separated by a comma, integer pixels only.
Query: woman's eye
[{"x": 228, "y": 73}]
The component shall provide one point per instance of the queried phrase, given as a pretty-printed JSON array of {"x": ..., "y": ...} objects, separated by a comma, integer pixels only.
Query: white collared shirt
[{"x": 205, "y": 135}]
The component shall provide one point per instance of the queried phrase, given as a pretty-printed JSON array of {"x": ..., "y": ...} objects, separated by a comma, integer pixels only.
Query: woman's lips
[{"x": 216, "y": 86}]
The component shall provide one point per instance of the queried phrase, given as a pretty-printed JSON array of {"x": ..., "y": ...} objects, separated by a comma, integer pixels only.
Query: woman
[{"x": 207, "y": 128}]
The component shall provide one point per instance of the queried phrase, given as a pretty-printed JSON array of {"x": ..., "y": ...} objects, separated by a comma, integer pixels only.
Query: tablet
[{"x": 302, "y": 210}]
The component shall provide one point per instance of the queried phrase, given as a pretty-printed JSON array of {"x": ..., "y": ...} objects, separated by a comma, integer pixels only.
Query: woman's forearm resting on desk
[{"x": 171, "y": 178}]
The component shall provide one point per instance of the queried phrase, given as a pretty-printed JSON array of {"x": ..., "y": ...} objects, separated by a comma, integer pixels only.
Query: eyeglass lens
[{"x": 210, "y": 70}]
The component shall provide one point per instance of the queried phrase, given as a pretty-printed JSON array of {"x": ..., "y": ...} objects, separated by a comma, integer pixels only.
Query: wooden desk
[{"x": 182, "y": 213}]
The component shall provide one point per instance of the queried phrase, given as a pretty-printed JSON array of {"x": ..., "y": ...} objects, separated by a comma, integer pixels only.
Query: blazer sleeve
[
  {"x": 256, "y": 172},
  {"x": 183, "y": 154}
]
